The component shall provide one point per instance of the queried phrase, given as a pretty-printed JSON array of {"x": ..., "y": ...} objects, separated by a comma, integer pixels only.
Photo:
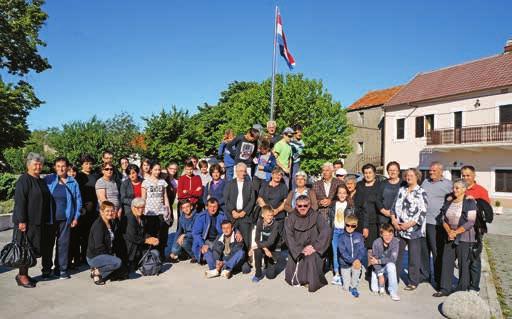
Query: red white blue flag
[{"x": 281, "y": 39}]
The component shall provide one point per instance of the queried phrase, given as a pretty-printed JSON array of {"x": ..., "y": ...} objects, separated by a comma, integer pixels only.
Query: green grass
[
  {"x": 505, "y": 309},
  {"x": 6, "y": 206}
]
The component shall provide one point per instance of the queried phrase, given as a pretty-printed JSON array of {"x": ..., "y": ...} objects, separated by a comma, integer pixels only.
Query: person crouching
[{"x": 226, "y": 255}]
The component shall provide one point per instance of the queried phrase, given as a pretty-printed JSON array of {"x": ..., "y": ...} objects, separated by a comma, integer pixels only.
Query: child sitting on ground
[
  {"x": 226, "y": 255},
  {"x": 183, "y": 238},
  {"x": 383, "y": 259},
  {"x": 351, "y": 251},
  {"x": 268, "y": 250}
]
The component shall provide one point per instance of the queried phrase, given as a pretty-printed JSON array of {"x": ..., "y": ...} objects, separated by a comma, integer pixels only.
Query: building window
[
  {"x": 455, "y": 173},
  {"x": 503, "y": 180},
  {"x": 360, "y": 147},
  {"x": 506, "y": 114},
  {"x": 429, "y": 122},
  {"x": 420, "y": 126},
  {"x": 361, "y": 117},
  {"x": 400, "y": 129}
]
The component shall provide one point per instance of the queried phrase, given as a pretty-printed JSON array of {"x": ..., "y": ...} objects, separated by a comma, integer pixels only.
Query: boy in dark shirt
[{"x": 268, "y": 238}]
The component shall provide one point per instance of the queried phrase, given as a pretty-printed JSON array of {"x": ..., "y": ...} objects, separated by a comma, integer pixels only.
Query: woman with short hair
[
  {"x": 131, "y": 187},
  {"x": 300, "y": 189},
  {"x": 100, "y": 250},
  {"x": 459, "y": 216},
  {"x": 31, "y": 212},
  {"x": 409, "y": 212}
]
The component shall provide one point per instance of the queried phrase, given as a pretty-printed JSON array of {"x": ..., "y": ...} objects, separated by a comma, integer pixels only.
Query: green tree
[
  {"x": 176, "y": 135},
  {"x": 20, "y": 22},
  {"x": 95, "y": 136},
  {"x": 37, "y": 142},
  {"x": 169, "y": 137}
]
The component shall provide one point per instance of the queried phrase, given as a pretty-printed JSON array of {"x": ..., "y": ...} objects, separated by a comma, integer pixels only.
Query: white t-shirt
[
  {"x": 154, "y": 197},
  {"x": 240, "y": 197},
  {"x": 339, "y": 215}
]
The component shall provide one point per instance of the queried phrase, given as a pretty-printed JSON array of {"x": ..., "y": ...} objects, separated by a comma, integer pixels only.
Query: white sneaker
[
  {"x": 395, "y": 297},
  {"x": 211, "y": 273},
  {"x": 225, "y": 274},
  {"x": 336, "y": 280},
  {"x": 382, "y": 291}
]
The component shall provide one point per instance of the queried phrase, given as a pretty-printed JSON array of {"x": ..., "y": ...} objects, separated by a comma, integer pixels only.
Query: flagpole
[{"x": 274, "y": 66}]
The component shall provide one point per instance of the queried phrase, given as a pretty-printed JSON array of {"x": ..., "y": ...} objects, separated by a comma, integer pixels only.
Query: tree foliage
[
  {"x": 20, "y": 22},
  {"x": 95, "y": 136},
  {"x": 176, "y": 135}
]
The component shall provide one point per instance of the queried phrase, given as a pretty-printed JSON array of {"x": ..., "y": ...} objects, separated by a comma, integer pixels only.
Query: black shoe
[
  {"x": 410, "y": 287},
  {"x": 440, "y": 294},
  {"x": 64, "y": 275},
  {"x": 193, "y": 261},
  {"x": 246, "y": 268},
  {"x": 32, "y": 280},
  {"x": 27, "y": 285},
  {"x": 46, "y": 276}
]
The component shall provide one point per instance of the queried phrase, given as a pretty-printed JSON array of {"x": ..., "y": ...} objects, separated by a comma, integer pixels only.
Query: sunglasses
[
  {"x": 350, "y": 226},
  {"x": 289, "y": 135},
  {"x": 302, "y": 206},
  {"x": 108, "y": 169}
]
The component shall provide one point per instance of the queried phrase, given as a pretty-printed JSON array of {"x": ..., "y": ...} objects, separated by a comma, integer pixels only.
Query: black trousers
[
  {"x": 157, "y": 227},
  {"x": 80, "y": 235},
  {"x": 245, "y": 228},
  {"x": 274, "y": 265},
  {"x": 416, "y": 264},
  {"x": 462, "y": 252},
  {"x": 435, "y": 243}
]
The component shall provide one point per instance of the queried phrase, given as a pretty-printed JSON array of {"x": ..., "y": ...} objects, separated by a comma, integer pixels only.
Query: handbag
[
  {"x": 150, "y": 263},
  {"x": 15, "y": 255}
]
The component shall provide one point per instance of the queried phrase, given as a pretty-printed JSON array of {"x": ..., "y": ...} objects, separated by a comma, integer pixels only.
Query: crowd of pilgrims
[{"x": 253, "y": 211}]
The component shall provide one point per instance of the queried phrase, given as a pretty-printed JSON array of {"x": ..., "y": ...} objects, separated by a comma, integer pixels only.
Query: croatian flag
[{"x": 281, "y": 38}]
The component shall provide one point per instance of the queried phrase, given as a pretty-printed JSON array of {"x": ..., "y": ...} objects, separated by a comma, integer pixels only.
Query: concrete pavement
[{"x": 182, "y": 291}]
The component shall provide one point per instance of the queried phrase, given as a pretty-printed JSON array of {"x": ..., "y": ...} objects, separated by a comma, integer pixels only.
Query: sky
[{"x": 138, "y": 57}]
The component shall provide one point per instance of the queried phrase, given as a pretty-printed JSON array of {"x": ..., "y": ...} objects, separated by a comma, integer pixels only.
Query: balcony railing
[{"x": 491, "y": 133}]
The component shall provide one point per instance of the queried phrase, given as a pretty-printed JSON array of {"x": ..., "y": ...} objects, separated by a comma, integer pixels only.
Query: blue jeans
[
  {"x": 58, "y": 233},
  {"x": 230, "y": 173},
  {"x": 106, "y": 264},
  {"x": 187, "y": 246},
  {"x": 389, "y": 272},
  {"x": 231, "y": 262},
  {"x": 336, "y": 234}
]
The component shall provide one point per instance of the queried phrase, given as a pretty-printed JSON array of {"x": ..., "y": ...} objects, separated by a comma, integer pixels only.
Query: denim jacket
[{"x": 74, "y": 199}]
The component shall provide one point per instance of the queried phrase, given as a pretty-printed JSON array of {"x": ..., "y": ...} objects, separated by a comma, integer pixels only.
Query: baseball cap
[
  {"x": 288, "y": 130},
  {"x": 341, "y": 172}
]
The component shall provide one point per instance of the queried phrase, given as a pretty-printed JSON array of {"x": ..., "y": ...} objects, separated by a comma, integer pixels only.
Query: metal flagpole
[{"x": 274, "y": 66}]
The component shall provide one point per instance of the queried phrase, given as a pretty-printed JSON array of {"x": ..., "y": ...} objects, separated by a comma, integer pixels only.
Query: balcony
[{"x": 493, "y": 134}]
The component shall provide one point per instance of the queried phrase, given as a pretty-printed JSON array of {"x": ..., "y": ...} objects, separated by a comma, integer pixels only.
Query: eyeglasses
[
  {"x": 108, "y": 169},
  {"x": 351, "y": 226},
  {"x": 289, "y": 135},
  {"x": 302, "y": 206}
]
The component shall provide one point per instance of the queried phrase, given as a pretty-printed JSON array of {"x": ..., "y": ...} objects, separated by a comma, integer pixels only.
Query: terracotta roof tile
[
  {"x": 375, "y": 98},
  {"x": 483, "y": 74}
]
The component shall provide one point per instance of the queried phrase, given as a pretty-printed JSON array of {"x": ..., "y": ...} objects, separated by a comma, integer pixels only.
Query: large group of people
[{"x": 253, "y": 211}]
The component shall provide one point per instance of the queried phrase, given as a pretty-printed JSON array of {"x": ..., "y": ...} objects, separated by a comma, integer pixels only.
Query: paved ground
[
  {"x": 182, "y": 291},
  {"x": 500, "y": 243}
]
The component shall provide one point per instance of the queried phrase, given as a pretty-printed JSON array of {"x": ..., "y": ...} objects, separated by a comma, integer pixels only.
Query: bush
[
  {"x": 7, "y": 185},
  {"x": 6, "y": 207}
]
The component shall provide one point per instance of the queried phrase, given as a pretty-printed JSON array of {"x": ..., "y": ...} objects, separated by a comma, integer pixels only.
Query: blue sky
[{"x": 142, "y": 56}]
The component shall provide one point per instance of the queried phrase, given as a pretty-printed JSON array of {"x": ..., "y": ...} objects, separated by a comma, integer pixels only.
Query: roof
[
  {"x": 487, "y": 73},
  {"x": 374, "y": 98}
]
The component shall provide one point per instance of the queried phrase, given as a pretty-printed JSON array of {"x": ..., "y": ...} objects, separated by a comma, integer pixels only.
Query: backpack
[
  {"x": 150, "y": 263},
  {"x": 484, "y": 216}
]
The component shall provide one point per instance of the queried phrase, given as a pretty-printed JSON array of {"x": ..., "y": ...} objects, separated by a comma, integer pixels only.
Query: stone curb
[{"x": 492, "y": 295}]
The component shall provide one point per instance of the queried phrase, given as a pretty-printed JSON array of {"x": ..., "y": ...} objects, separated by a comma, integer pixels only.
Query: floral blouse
[{"x": 411, "y": 206}]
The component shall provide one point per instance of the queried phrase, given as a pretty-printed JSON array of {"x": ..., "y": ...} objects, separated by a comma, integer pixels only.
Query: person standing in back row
[
  {"x": 243, "y": 149},
  {"x": 297, "y": 145},
  {"x": 437, "y": 188},
  {"x": 283, "y": 153}
]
